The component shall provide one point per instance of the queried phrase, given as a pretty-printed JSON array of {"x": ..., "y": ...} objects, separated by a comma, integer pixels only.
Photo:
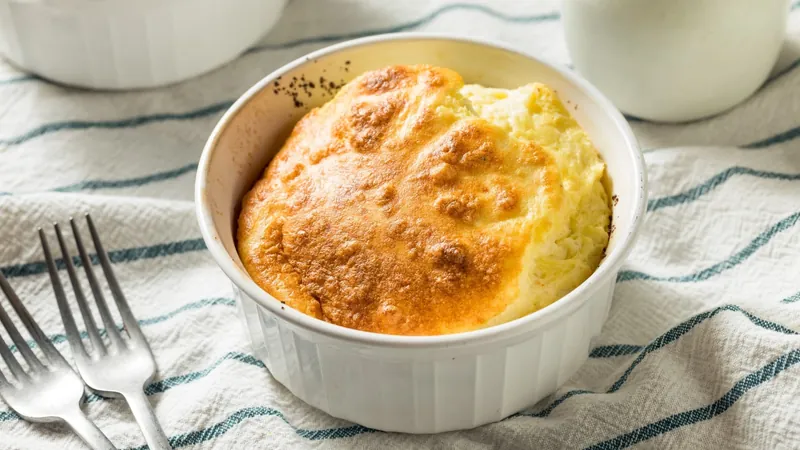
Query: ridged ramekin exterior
[
  {"x": 120, "y": 44},
  {"x": 425, "y": 391}
]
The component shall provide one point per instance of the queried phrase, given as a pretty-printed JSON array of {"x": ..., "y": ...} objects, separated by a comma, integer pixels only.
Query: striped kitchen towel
[{"x": 701, "y": 349}]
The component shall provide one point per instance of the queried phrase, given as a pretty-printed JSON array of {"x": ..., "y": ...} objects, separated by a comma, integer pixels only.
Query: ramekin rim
[{"x": 558, "y": 309}]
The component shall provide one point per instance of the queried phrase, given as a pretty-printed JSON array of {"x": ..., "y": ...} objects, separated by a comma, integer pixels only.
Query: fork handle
[
  {"x": 144, "y": 415},
  {"x": 88, "y": 431}
]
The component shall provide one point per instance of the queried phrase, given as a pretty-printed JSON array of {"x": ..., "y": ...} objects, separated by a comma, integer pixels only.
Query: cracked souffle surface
[{"x": 413, "y": 204}]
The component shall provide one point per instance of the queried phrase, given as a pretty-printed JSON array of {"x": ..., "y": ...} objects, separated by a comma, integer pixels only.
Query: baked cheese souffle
[{"x": 413, "y": 204}]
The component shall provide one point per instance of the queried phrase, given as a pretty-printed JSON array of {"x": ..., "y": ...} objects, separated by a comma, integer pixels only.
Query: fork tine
[
  {"x": 22, "y": 346},
  {"x": 73, "y": 336},
  {"x": 11, "y": 362},
  {"x": 131, "y": 324},
  {"x": 33, "y": 328},
  {"x": 88, "y": 318},
  {"x": 102, "y": 306}
]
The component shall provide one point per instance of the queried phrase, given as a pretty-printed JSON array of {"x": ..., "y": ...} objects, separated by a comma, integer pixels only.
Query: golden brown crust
[{"x": 393, "y": 209}]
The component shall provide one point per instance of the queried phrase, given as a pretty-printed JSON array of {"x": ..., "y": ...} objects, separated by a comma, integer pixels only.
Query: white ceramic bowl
[
  {"x": 415, "y": 384},
  {"x": 675, "y": 60},
  {"x": 127, "y": 44}
]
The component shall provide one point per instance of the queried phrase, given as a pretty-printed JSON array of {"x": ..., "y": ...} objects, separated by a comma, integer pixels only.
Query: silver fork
[
  {"x": 49, "y": 391},
  {"x": 122, "y": 368}
]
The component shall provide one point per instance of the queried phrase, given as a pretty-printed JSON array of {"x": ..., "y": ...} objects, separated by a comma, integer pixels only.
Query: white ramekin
[
  {"x": 420, "y": 384},
  {"x": 128, "y": 44}
]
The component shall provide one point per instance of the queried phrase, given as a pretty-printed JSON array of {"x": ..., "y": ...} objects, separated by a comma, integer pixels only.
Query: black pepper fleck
[{"x": 611, "y": 228}]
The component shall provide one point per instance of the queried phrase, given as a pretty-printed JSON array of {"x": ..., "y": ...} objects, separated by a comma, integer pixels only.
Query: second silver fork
[{"x": 126, "y": 365}]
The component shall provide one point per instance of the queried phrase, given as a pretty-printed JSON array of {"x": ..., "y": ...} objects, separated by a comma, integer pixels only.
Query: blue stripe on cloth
[
  {"x": 779, "y": 138},
  {"x": 204, "y": 303},
  {"x": 676, "y": 332},
  {"x": 549, "y": 408},
  {"x": 714, "y": 182},
  {"x": 667, "y": 424},
  {"x": 19, "y": 79},
  {"x": 219, "y": 429},
  {"x": 161, "y": 386},
  {"x": 550, "y": 16},
  {"x": 129, "y": 182},
  {"x": 132, "y": 122},
  {"x": 716, "y": 269},
  {"x": 89, "y": 185},
  {"x": 653, "y": 205},
  {"x": 792, "y": 298},
  {"x": 166, "y": 384},
  {"x": 139, "y": 121},
  {"x": 192, "y": 245},
  {"x": 11, "y": 416},
  {"x": 670, "y": 336},
  {"x": 116, "y": 256},
  {"x": 610, "y": 351}
]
